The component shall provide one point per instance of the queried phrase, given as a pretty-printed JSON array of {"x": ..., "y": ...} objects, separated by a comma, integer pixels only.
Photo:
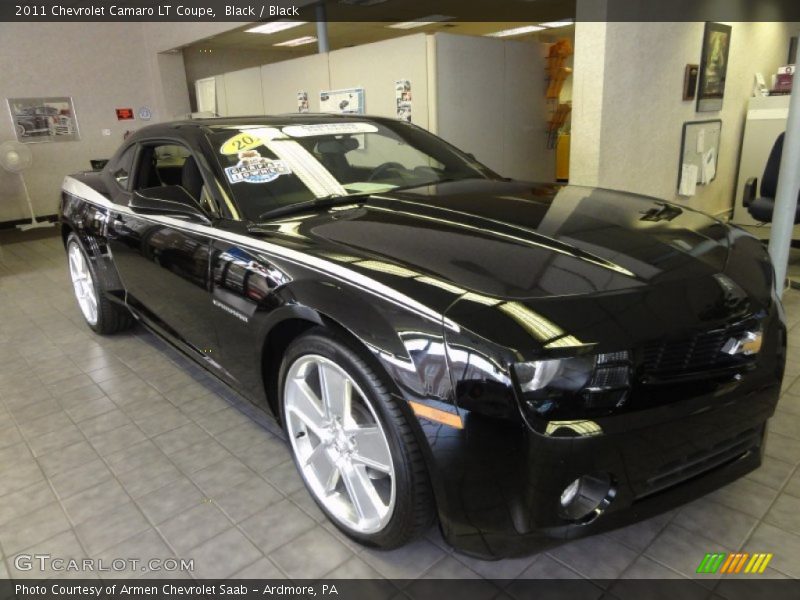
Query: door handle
[{"x": 118, "y": 222}]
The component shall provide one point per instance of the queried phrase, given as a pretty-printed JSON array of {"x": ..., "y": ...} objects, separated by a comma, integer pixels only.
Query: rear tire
[
  {"x": 330, "y": 443},
  {"x": 100, "y": 313}
]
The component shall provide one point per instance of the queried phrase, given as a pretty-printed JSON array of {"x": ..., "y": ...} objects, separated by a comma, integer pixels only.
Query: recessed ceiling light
[
  {"x": 554, "y": 24},
  {"x": 275, "y": 26},
  {"x": 421, "y": 22},
  {"x": 308, "y": 39},
  {"x": 516, "y": 31}
]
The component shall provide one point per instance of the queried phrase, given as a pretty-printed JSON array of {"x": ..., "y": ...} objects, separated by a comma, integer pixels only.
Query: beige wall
[
  {"x": 243, "y": 93},
  {"x": 490, "y": 101},
  {"x": 377, "y": 66},
  {"x": 628, "y": 112},
  {"x": 101, "y": 66},
  {"x": 199, "y": 65},
  {"x": 281, "y": 81},
  {"x": 484, "y": 95}
]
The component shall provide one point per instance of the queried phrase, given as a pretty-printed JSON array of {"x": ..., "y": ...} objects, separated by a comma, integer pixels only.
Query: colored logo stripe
[
  {"x": 758, "y": 564},
  {"x": 733, "y": 563},
  {"x": 711, "y": 562}
]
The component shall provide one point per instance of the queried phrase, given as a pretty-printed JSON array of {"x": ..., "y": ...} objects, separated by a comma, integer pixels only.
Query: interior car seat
[{"x": 191, "y": 179}]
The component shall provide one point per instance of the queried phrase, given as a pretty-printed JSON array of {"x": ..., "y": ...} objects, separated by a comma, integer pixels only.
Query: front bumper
[{"x": 502, "y": 481}]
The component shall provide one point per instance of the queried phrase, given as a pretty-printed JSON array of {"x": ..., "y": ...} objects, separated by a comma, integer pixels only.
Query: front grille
[
  {"x": 697, "y": 463},
  {"x": 698, "y": 352}
]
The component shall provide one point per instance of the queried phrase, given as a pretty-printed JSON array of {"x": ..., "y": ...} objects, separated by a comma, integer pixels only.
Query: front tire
[
  {"x": 352, "y": 444},
  {"x": 102, "y": 315}
]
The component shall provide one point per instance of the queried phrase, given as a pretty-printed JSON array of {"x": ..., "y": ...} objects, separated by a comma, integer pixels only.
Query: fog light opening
[{"x": 587, "y": 497}]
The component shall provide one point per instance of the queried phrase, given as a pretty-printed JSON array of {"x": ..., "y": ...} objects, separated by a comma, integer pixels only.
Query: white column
[{"x": 780, "y": 240}]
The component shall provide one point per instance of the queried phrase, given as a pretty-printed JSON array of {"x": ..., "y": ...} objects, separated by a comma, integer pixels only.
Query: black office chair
[{"x": 762, "y": 207}]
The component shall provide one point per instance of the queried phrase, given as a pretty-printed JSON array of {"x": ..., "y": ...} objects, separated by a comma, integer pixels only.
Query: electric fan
[{"x": 15, "y": 157}]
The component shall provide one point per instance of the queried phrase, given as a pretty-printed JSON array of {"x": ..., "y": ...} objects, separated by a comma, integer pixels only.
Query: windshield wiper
[{"x": 321, "y": 202}]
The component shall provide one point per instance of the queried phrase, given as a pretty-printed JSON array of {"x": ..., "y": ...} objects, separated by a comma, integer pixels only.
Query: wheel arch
[
  {"x": 294, "y": 321},
  {"x": 297, "y": 320}
]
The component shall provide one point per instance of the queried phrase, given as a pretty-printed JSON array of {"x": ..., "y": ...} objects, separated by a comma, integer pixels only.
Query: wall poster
[
  {"x": 346, "y": 102},
  {"x": 44, "y": 119},
  {"x": 713, "y": 67},
  {"x": 699, "y": 154},
  {"x": 402, "y": 94},
  {"x": 302, "y": 102}
]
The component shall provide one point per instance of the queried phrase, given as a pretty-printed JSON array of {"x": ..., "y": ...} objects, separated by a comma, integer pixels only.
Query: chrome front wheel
[
  {"x": 82, "y": 283},
  {"x": 339, "y": 443}
]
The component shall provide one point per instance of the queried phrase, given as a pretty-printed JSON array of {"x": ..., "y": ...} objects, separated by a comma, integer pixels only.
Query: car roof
[{"x": 192, "y": 128}]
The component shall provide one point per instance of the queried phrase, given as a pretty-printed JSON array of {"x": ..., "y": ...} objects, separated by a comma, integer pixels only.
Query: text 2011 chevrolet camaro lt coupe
[{"x": 524, "y": 362}]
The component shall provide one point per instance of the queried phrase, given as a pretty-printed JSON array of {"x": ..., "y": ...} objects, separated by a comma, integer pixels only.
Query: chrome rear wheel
[{"x": 82, "y": 283}]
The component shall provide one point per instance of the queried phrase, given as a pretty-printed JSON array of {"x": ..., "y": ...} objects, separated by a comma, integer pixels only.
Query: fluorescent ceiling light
[
  {"x": 516, "y": 31},
  {"x": 308, "y": 39},
  {"x": 275, "y": 26},
  {"x": 421, "y": 22},
  {"x": 554, "y": 24}
]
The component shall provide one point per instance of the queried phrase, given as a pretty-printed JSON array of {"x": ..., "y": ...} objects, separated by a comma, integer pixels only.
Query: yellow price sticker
[{"x": 240, "y": 143}]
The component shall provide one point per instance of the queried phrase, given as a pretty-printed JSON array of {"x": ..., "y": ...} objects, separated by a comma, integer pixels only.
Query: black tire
[
  {"x": 112, "y": 317},
  {"x": 414, "y": 509}
]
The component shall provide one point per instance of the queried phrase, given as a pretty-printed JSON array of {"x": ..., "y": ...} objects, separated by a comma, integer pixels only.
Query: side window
[
  {"x": 173, "y": 164},
  {"x": 124, "y": 166}
]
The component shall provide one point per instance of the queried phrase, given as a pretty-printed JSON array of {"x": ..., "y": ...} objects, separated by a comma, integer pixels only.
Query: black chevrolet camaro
[{"x": 526, "y": 363}]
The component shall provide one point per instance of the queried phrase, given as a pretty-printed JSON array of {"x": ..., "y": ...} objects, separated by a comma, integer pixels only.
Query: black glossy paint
[{"x": 446, "y": 286}]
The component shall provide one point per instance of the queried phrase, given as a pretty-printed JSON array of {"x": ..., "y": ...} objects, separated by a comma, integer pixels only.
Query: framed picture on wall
[
  {"x": 44, "y": 119},
  {"x": 713, "y": 67}
]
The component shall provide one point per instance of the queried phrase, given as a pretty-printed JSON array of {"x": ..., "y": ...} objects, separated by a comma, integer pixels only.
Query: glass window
[
  {"x": 173, "y": 164},
  {"x": 273, "y": 167}
]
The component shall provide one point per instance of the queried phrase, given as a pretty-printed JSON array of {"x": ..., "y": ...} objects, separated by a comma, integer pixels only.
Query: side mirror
[{"x": 169, "y": 200}]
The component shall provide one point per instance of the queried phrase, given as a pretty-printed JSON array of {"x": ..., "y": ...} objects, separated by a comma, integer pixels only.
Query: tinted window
[
  {"x": 173, "y": 164},
  {"x": 269, "y": 167}
]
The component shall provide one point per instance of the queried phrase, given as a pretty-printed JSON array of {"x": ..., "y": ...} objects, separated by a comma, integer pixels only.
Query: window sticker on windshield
[
  {"x": 254, "y": 168},
  {"x": 240, "y": 143},
  {"x": 328, "y": 129}
]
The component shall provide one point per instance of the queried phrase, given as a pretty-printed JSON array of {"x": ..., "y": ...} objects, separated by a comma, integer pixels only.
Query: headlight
[
  {"x": 574, "y": 388},
  {"x": 559, "y": 374}
]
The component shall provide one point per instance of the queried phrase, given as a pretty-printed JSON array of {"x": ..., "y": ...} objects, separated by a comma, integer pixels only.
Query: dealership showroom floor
[{"x": 118, "y": 447}]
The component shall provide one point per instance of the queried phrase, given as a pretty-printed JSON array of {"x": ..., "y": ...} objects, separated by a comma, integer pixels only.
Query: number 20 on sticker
[{"x": 240, "y": 143}]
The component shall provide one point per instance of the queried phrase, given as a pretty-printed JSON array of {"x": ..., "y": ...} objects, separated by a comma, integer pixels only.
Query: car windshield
[{"x": 270, "y": 169}]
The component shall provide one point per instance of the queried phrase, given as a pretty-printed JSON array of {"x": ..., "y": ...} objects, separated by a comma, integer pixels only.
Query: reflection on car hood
[{"x": 515, "y": 240}]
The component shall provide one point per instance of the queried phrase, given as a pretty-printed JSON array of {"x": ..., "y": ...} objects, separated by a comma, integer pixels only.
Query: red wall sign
[{"x": 125, "y": 114}]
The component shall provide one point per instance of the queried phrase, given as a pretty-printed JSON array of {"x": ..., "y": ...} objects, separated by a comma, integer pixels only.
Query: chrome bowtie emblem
[{"x": 747, "y": 344}]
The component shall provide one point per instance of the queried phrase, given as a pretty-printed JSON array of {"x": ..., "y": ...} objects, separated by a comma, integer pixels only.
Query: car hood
[{"x": 513, "y": 240}]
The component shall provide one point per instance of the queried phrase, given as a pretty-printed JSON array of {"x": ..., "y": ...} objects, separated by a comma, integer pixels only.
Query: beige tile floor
[{"x": 119, "y": 447}]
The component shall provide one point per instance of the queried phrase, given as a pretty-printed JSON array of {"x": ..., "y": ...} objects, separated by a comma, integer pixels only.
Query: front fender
[{"x": 410, "y": 349}]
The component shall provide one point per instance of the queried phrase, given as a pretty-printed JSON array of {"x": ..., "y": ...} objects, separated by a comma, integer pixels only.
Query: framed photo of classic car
[
  {"x": 44, "y": 119},
  {"x": 713, "y": 67}
]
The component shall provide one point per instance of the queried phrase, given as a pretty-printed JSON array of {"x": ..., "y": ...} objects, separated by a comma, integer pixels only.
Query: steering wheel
[{"x": 382, "y": 170}]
